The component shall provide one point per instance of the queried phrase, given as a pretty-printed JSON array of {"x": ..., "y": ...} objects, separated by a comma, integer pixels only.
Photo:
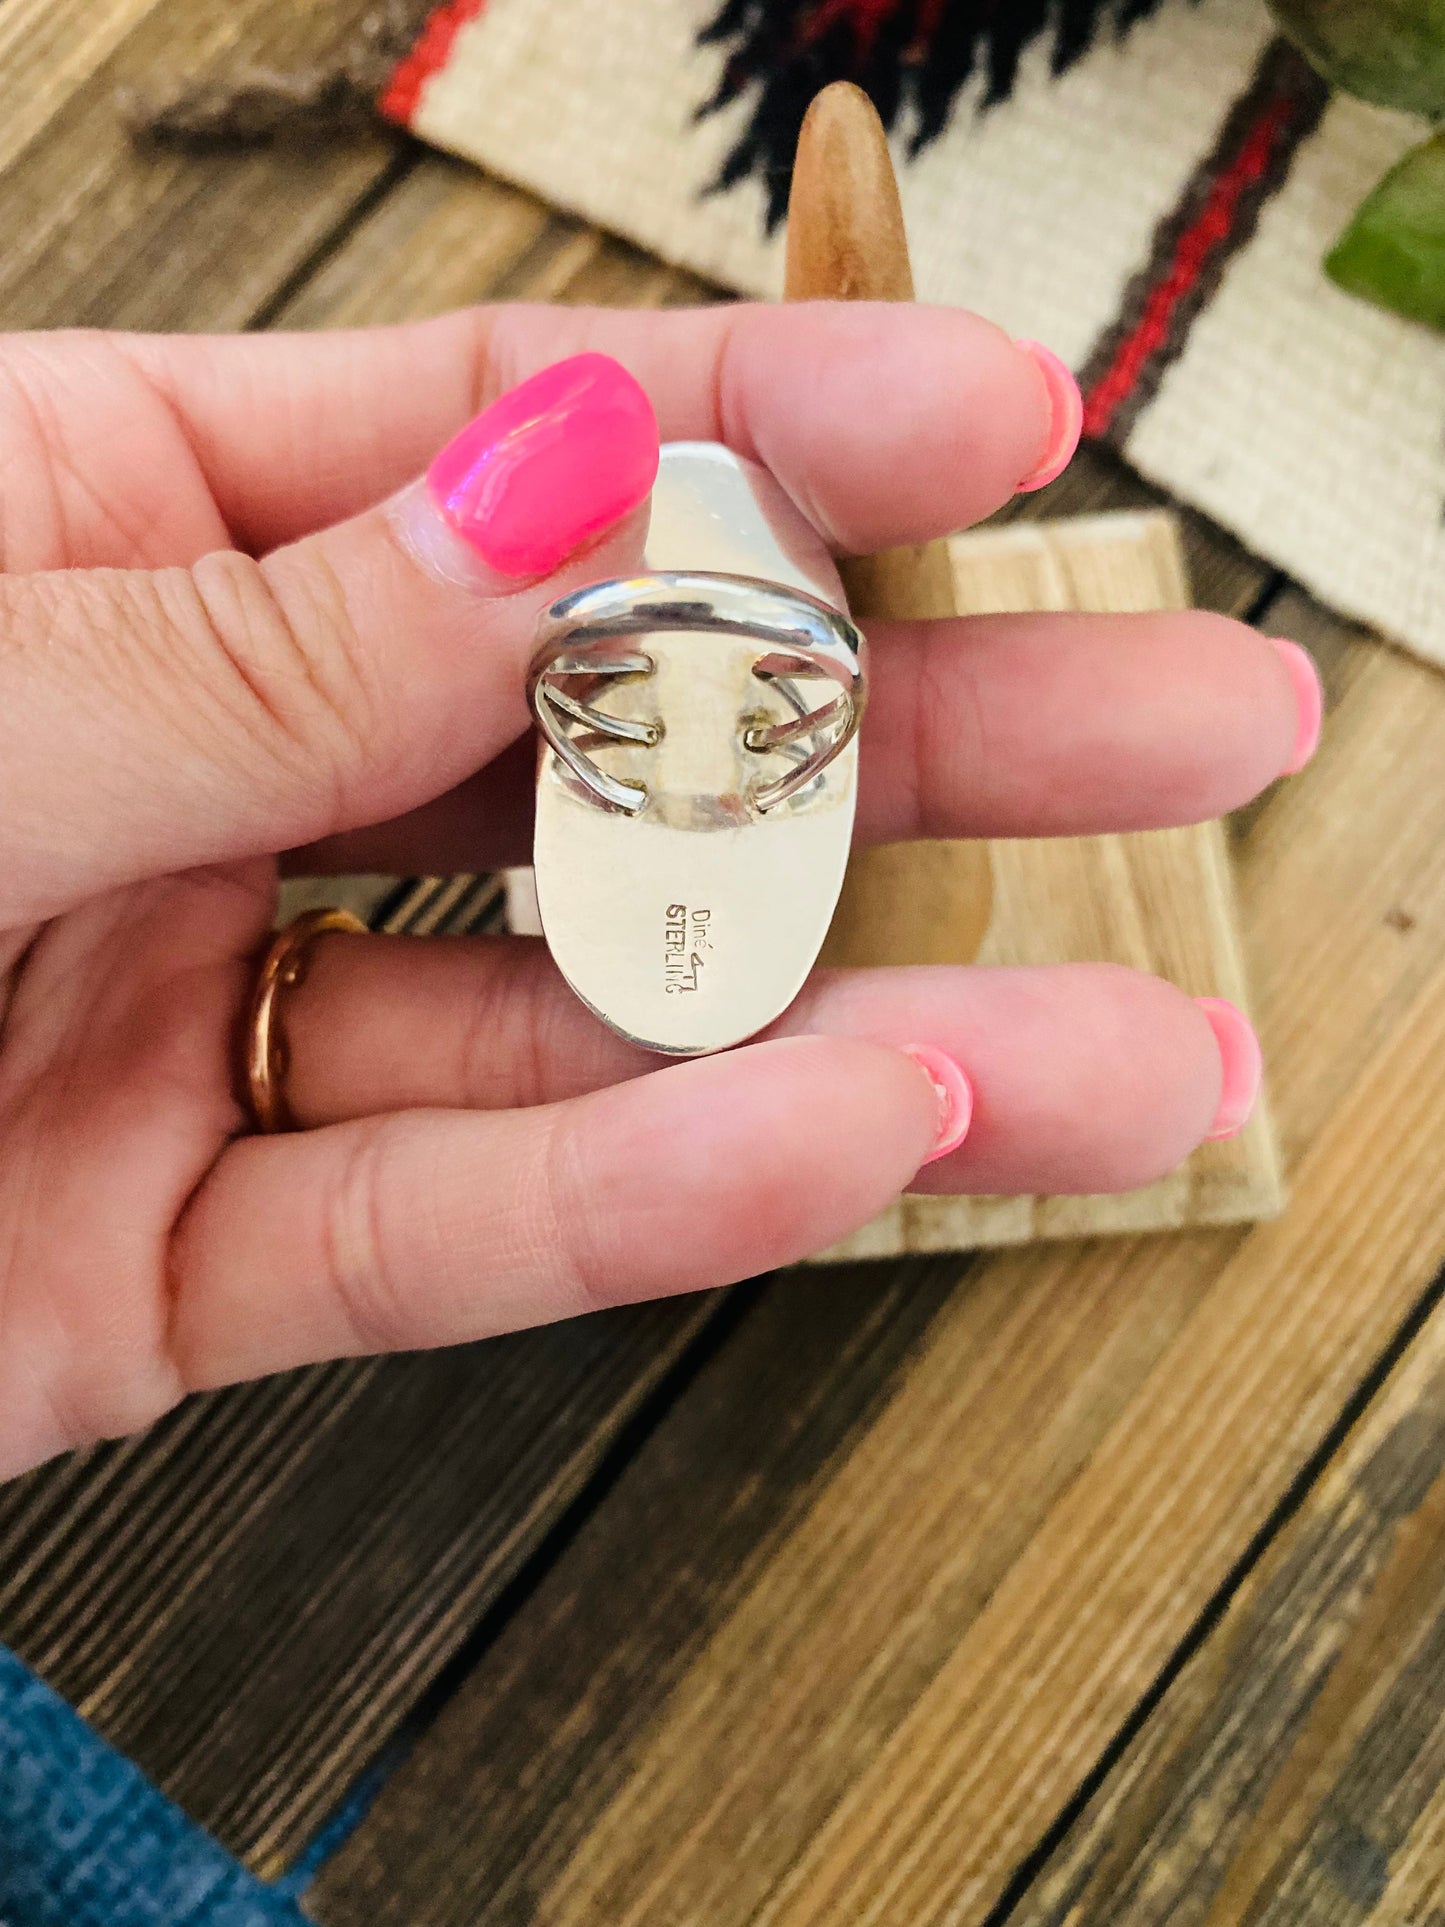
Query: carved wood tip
[{"x": 846, "y": 239}]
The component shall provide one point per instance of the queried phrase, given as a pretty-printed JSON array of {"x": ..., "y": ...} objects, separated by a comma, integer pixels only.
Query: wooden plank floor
[{"x": 1092, "y": 1583}]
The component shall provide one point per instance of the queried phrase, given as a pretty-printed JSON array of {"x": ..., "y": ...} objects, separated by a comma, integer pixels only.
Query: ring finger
[{"x": 1086, "y": 1077}]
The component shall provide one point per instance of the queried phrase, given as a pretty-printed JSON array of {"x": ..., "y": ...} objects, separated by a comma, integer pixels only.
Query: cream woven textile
[{"x": 1157, "y": 215}]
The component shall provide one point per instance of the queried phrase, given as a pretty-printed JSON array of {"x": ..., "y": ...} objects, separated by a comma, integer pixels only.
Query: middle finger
[{"x": 1016, "y": 725}]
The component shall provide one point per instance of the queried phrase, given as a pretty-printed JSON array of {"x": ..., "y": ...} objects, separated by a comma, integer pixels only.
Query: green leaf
[
  {"x": 1388, "y": 51},
  {"x": 1393, "y": 252}
]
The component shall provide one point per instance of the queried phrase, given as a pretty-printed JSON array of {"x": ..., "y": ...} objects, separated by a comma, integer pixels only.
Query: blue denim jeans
[{"x": 87, "y": 1841}]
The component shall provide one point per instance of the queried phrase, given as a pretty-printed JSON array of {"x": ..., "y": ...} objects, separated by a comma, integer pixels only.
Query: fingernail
[
  {"x": 554, "y": 461},
  {"x": 1243, "y": 1063},
  {"x": 1067, "y": 406},
  {"x": 1309, "y": 701},
  {"x": 954, "y": 1093}
]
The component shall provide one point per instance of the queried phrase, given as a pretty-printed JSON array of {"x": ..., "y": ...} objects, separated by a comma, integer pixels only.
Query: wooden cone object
[{"x": 902, "y": 903}]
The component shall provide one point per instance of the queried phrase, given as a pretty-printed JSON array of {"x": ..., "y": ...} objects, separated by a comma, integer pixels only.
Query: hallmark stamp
[{"x": 686, "y": 940}]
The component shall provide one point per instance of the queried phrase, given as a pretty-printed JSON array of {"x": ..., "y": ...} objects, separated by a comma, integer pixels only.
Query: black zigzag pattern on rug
[{"x": 913, "y": 56}]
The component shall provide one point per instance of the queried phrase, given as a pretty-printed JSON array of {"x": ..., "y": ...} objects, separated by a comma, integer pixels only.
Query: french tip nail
[
  {"x": 548, "y": 466},
  {"x": 1066, "y": 406},
  {"x": 954, "y": 1093},
  {"x": 1309, "y": 699},
  {"x": 1243, "y": 1066}
]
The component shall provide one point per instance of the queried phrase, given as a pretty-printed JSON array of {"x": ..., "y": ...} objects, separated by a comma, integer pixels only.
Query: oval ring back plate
[{"x": 693, "y": 923}]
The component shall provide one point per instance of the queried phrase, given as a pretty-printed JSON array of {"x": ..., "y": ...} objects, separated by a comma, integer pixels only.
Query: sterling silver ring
[
  {"x": 804, "y": 637},
  {"x": 698, "y": 769}
]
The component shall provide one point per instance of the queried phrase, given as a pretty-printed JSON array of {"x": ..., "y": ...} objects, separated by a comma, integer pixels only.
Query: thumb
[{"x": 154, "y": 720}]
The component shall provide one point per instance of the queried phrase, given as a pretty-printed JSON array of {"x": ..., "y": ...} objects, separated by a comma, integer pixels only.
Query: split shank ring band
[{"x": 586, "y": 634}]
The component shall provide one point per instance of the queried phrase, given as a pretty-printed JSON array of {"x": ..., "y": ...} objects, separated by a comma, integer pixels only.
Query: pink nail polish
[
  {"x": 1309, "y": 701},
  {"x": 955, "y": 1097},
  {"x": 1067, "y": 406},
  {"x": 554, "y": 461},
  {"x": 1243, "y": 1063}
]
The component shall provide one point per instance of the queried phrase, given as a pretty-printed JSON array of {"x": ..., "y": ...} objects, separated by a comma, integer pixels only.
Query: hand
[{"x": 215, "y": 647}]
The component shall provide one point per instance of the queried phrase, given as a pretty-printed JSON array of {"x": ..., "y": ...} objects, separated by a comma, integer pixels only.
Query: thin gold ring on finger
[{"x": 282, "y": 968}]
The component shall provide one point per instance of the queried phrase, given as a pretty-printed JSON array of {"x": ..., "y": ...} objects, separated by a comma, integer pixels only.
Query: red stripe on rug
[
  {"x": 866, "y": 17},
  {"x": 1210, "y": 230},
  {"x": 401, "y": 96}
]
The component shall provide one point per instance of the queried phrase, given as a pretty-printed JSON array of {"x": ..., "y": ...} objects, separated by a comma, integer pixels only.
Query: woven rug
[{"x": 1156, "y": 213}]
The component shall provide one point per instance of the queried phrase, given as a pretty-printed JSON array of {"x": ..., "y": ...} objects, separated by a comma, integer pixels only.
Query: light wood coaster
[{"x": 1162, "y": 900}]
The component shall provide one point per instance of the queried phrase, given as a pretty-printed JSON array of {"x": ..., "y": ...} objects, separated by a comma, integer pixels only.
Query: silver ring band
[{"x": 799, "y": 636}]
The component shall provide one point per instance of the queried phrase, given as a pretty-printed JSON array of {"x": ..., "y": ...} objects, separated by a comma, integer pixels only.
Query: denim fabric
[{"x": 87, "y": 1841}]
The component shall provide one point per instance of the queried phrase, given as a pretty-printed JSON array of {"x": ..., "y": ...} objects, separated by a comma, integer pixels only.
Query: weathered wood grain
[
  {"x": 49, "y": 49},
  {"x": 447, "y": 235},
  {"x": 1293, "y": 1772},
  {"x": 740, "y": 1461},
  {"x": 879, "y": 1587},
  {"x": 904, "y": 1692},
  {"x": 233, "y": 1601},
  {"x": 441, "y": 237},
  {"x": 100, "y": 231}
]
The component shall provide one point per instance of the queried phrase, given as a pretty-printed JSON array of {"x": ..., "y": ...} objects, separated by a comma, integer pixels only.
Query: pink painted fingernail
[
  {"x": 1309, "y": 701},
  {"x": 552, "y": 462},
  {"x": 954, "y": 1093},
  {"x": 1243, "y": 1063},
  {"x": 1067, "y": 406}
]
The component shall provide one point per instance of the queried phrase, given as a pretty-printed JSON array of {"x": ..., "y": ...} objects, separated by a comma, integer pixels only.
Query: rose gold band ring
[{"x": 283, "y": 967}]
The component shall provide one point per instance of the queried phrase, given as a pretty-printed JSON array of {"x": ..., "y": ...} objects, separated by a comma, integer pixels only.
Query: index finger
[{"x": 886, "y": 423}]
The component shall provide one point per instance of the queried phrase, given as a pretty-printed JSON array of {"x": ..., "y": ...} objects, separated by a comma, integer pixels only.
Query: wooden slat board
[
  {"x": 99, "y": 232},
  {"x": 1294, "y": 1770},
  {"x": 598, "y": 1577}
]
